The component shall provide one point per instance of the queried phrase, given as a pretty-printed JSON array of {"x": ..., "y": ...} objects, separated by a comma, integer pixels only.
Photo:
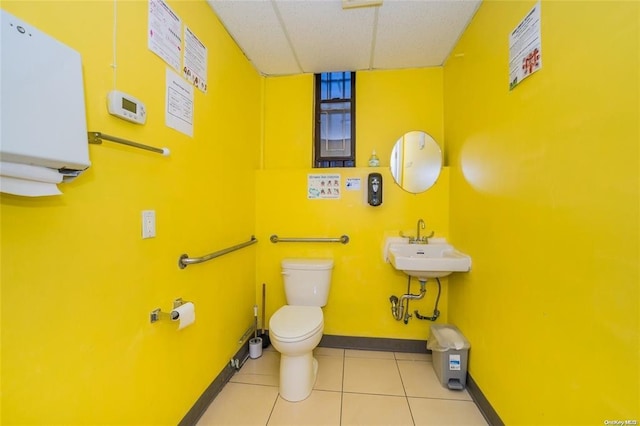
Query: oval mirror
[{"x": 416, "y": 160}]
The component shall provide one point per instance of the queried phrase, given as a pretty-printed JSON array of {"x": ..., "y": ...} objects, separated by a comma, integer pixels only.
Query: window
[{"x": 335, "y": 120}]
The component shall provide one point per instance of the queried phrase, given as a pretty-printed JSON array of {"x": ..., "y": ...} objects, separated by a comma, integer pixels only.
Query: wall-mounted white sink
[{"x": 434, "y": 260}]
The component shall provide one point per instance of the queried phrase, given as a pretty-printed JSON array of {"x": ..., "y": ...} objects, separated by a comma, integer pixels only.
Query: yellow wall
[
  {"x": 361, "y": 283},
  {"x": 78, "y": 282},
  {"x": 544, "y": 196},
  {"x": 389, "y": 103},
  {"x": 542, "y": 192}
]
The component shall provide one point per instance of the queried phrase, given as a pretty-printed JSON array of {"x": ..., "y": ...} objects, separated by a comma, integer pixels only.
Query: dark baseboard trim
[
  {"x": 482, "y": 402},
  {"x": 207, "y": 397},
  {"x": 374, "y": 344}
]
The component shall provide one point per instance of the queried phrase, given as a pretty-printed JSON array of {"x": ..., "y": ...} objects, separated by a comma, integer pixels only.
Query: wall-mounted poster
[
  {"x": 165, "y": 29},
  {"x": 179, "y": 104},
  {"x": 323, "y": 186},
  {"x": 525, "y": 48},
  {"x": 195, "y": 60}
]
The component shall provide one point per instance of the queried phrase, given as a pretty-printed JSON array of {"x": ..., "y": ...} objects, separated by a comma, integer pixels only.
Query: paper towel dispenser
[{"x": 43, "y": 127}]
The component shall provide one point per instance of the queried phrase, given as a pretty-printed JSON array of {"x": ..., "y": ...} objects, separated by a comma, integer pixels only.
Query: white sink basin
[{"x": 423, "y": 261}]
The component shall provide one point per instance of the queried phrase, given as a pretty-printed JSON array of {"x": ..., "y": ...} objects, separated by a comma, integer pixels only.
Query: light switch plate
[{"x": 148, "y": 223}]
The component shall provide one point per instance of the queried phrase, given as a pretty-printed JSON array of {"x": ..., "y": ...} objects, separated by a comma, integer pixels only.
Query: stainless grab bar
[
  {"x": 344, "y": 239},
  {"x": 185, "y": 260},
  {"x": 96, "y": 138}
]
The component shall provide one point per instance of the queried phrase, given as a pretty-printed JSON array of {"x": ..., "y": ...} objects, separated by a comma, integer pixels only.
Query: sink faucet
[
  {"x": 420, "y": 225},
  {"x": 418, "y": 239}
]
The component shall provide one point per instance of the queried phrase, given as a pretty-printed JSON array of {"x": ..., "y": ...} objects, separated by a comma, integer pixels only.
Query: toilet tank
[{"x": 307, "y": 281}]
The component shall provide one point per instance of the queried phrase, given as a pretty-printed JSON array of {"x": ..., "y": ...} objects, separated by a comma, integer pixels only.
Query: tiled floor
[{"x": 353, "y": 388}]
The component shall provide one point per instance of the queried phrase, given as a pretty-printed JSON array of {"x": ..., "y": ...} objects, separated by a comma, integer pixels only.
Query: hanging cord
[
  {"x": 114, "y": 65},
  {"x": 436, "y": 312}
]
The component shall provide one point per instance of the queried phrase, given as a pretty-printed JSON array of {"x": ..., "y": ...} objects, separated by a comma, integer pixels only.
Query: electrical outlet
[{"x": 148, "y": 223}]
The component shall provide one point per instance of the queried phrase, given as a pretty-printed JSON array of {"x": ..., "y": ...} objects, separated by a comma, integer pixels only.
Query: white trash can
[{"x": 450, "y": 353}]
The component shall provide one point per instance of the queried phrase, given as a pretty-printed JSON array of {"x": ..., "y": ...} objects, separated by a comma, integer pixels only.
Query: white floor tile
[
  {"x": 361, "y": 409},
  {"x": 355, "y": 353},
  {"x": 404, "y": 356},
  {"x": 353, "y": 387},
  {"x": 328, "y": 352},
  {"x": 373, "y": 376},
  {"x": 420, "y": 380},
  {"x": 320, "y": 408},
  {"x": 260, "y": 371},
  {"x": 241, "y": 404},
  {"x": 330, "y": 373},
  {"x": 427, "y": 411}
]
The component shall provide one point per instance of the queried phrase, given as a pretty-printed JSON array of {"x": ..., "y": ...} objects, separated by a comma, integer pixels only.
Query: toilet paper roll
[{"x": 185, "y": 314}]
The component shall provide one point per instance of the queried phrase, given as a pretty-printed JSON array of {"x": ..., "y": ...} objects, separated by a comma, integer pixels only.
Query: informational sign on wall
[
  {"x": 164, "y": 37},
  {"x": 323, "y": 186},
  {"x": 525, "y": 49},
  {"x": 353, "y": 184},
  {"x": 179, "y": 104},
  {"x": 195, "y": 60},
  {"x": 176, "y": 47}
]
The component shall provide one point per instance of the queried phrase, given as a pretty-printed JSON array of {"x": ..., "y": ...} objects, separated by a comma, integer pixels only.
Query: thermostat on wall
[{"x": 126, "y": 107}]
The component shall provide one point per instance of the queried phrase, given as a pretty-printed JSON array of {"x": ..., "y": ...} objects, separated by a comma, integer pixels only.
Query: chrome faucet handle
[
  {"x": 401, "y": 234},
  {"x": 425, "y": 239}
]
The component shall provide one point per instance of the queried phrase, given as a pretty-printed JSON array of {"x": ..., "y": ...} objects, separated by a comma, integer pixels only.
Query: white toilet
[{"x": 296, "y": 329}]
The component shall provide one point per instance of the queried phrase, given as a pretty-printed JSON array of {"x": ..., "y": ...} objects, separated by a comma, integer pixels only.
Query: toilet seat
[{"x": 295, "y": 323}]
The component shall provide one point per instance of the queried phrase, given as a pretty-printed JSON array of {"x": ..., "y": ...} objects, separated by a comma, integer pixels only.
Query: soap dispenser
[
  {"x": 374, "y": 189},
  {"x": 374, "y": 161}
]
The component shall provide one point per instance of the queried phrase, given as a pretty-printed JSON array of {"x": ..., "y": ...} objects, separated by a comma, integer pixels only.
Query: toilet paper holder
[{"x": 157, "y": 314}]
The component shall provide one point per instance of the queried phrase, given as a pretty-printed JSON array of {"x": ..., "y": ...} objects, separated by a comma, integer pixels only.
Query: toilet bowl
[{"x": 296, "y": 329}]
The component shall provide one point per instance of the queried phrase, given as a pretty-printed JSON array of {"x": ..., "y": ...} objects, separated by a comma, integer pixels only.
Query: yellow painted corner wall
[
  {"x": 78, "y": 282},
  {"x": 389, "y": 103},
  {"x": 545, "y": 198}
]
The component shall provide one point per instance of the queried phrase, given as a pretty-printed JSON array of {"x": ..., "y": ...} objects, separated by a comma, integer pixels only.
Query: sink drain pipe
[
  {"x": 398, "y": 308},
  {"x": 436, "y": 312}
]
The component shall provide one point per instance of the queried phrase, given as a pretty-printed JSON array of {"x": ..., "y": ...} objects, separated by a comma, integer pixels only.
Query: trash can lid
[{"x": 446, "y": 336}]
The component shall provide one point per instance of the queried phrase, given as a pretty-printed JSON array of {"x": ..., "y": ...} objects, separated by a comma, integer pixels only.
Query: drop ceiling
[{"x": 282, "y": 37}]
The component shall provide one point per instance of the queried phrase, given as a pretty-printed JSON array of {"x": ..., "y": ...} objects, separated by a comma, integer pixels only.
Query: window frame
[{"x": 325, "y": 162}]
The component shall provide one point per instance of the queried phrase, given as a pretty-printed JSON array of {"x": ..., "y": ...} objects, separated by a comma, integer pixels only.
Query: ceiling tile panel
[
  {"x": 326, "y": 37},
  {"x": 255, "y": 27},
  {"x": 304, "y": 36},
  {"x": 419, "y": 33}
]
